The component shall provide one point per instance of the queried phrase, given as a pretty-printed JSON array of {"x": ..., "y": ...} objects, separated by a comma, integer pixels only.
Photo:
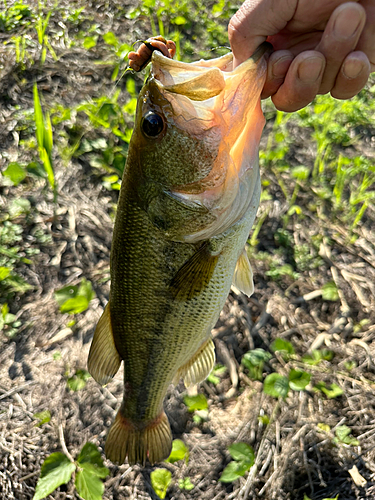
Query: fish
[{"x": 189, "y": 195}]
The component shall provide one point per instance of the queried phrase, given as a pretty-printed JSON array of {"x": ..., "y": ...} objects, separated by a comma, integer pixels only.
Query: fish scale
[{"x": 179, "y": 237}]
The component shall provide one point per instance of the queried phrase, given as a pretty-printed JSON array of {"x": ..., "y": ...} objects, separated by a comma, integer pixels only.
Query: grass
[{"x": 294, "y": 387}]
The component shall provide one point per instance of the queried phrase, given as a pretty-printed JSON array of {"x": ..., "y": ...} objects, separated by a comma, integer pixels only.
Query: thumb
[{"x": 254, "y": 22}]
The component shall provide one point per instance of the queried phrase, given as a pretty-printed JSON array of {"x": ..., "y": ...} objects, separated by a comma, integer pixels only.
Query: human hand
[{"x": 320, "y": 46}]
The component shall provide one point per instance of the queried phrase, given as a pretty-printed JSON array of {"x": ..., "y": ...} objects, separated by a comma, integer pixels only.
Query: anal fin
[
  {"x": 199, "y": 366},
  {"x": 139, "y": 441},
  {"x": 104, "y": 360},
  {"x": 243, "y": 275}
]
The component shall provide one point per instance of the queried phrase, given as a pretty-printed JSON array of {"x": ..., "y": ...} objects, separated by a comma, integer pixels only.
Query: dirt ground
[{"x": 293, "y": 455}]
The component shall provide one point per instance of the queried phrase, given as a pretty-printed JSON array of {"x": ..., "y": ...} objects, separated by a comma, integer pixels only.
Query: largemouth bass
[{"x": 189, "y": 196}]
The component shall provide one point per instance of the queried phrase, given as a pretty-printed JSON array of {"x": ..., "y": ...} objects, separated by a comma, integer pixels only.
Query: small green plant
[
  {"x": 119, "y": 50},
  {"x": 160, "y": 481},
  {"x": 243, "y": 458},
  {"x": 78, "y": 381},
  {"x": 14, "y": 16},
  {"x": 298, "y": 380},
  {"x": 214, "y": 376},
  {"x": 185, "y": 484},
  {"x": 74, "y": 299},
  {"x": 317, "y": 356},
  {"x": 8, "y": 322},
  {"x": 58, "y": 469},
  {"x": 343, "y": 436},
  {"x": 43, "y": 417},
  {"x": 276, "y": 385},
  {"x": 254, "y": 361},
  {"x": 196, "y": 403},
  {"x": 285, "y": 348},
  {"x": 334, "y": 391},
  {"x": 179, "y": 452},
  {"x": 44, "y": 138},
  {"x": 41, "y": 26}
]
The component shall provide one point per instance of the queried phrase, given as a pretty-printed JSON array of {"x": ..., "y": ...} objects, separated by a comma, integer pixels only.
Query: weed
[
  {"x": 58, "y": 468},
  {"x": 45, "y": 141},
  {"x": 15, "y": 16}
]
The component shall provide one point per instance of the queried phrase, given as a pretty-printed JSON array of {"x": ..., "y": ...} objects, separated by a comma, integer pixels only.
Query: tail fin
[{"x": 152, "y": 441}]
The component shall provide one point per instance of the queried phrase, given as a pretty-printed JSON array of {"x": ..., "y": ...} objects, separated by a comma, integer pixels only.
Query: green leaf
[
  {"x": 324, "y": 427},
  {"x": 213, "y": 376},
  {"x": 254, "y": 361},
  {"x": 179, "y": 20},
  {"x": 85, "y": 290},
  {"x": 282, "y": 345},
  {"x": 301, "y": 173},
  {"x": 15, "y": 172},
  {"x": 314, "y": 358},
  {"x": 160, "y": 480},
  {"x": 179, "y": 452},
  {"x": 38, "y": 115},
  {"x": 43, "y": 416},
  {"x": 276, "y": 385},
  {"x": 185, "y": 484},
  {"x": 330, "y": 292},
  {"x": 242, "y": 452},
  {"x": 75, "y": 299},
  {"x": 343, "y": 436},
  {"x": 256, "y": 357},
  {"x": 198, "y": 402},
  {"x": 78, "y": 381},
  {"x": 4, "y": 273},
  {"x": 89, "y": 42},
  {"x": 334, "y": 391},
  {"x": 75, "y": 306},
  {"x": 65, "y": 294},
  {"x": 57, "y": 469},
  {"x": 110, "y": 39},
  {"x": 89, "y": 482},
  {"x": 48, "y": 136},
  {"x": 264, "y": 419},
  {"x": 298, "y": 380},
  {"x": 91, "y": 454},
  {"x": 233, "y": 471}
]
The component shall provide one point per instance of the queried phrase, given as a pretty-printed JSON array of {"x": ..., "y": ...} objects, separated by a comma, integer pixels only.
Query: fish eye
[{"x": 152, "y": 124}]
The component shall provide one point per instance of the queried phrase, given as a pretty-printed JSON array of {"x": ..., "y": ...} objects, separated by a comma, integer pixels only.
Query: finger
[
  {"x": 352, "y": 77},
  {"x": 253, "y": 22},
  {"x": 367, "y": 40},
  {"x": 171, "y": 46},
  {"x": 301, "y": 83},
  {"x": 278, "y": 65},
  {"x": 339, "y": 39}
]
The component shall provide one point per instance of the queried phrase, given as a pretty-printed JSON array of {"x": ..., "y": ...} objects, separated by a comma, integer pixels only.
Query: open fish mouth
[{"x": 209, "y": 97}]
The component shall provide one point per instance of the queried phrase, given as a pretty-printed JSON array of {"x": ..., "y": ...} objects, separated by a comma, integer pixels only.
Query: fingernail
[
  {"x": 352, "y": 68},
  {"x": 310, "y": 69},
  {"x": 280, "y": 67},
  {"x": 347, "y": 23}
]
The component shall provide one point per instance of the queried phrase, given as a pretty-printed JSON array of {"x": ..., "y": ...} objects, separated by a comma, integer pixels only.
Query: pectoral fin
[
  {"x": 243, "y": 275},
  {"x": 104, "y": 360},
  {"x": 199, "y": 366},
  {"x": 194, "y": 275}
]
